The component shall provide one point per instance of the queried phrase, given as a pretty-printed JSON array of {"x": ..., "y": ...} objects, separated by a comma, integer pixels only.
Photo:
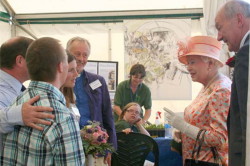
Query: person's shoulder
[
  {"x": 93, "y": 76},
  {"x": 124, "y": 83},
  {"x": 144, "y": 86},
  {"x": 223, "y": 84},
  {"x": 244, "y": 50},
  {"x": 90, "y": 75}
]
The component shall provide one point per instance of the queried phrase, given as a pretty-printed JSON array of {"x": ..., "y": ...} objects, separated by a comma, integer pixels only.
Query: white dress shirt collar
[{"x": 243, "y": 39}]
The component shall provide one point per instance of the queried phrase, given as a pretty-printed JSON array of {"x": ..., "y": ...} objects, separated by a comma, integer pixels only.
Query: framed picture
[
  {"x": 107, "y": 69},
  {"x": 92, "y": 67}
]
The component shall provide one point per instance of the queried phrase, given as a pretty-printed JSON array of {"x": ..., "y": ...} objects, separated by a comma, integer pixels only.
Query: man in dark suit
[
  {"x": 233, "y": 22},
  {"x": 92, "y": 96}
]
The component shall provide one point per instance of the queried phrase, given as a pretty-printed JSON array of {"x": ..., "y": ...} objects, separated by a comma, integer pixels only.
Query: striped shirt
[{"x": 58, "y": 144}]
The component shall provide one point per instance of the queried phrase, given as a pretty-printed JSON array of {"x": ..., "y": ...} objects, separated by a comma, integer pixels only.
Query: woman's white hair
[{"x": 215, "y": 62}]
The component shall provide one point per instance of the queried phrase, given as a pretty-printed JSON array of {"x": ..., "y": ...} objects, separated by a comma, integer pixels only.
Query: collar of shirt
[
  {"x": 243, "y": 39},
  {"x": 12, "y": 81},
  {"x": 84, "y": 77},
  {"x": 48, "y": 88}
]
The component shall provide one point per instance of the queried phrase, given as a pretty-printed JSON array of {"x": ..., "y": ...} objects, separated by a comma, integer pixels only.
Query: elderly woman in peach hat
[{"x": 209, "y": 110}]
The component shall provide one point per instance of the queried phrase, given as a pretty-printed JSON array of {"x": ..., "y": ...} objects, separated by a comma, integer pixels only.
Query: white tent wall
[
  {"x": 5, "y": 32},
  {"x": 107, "y": 44},
  {"x": 5, "y": 28}
]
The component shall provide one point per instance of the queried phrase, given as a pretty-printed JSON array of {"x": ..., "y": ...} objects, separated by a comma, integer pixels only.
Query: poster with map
[{"x": 153, "y": 43}]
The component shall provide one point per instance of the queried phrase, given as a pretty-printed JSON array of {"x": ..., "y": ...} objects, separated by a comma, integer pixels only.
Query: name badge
[{"x": 95, "y": 84}]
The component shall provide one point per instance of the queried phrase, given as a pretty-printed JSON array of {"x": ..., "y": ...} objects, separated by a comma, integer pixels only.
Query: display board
[
  {"x": 108, "y": 70},
  {"x": 153, "y": 43}
]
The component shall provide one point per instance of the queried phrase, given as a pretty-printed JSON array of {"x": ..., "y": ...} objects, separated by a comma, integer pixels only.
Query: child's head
[{"x": 131, "y": 112}]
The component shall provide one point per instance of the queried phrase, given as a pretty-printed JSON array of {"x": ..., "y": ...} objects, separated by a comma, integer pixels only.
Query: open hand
[
  {"x": 138, "y": 121},
  {"x": 127, "y": 130},
  {"x": 107, "y": 159},
  {"x": 34, "y": 115},
  {"x": 170, "y": 115},
  {"x": 177, "y": 135}
]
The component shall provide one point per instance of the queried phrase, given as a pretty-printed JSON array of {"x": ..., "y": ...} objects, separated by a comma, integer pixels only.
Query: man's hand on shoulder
[{"x": 34, "y": 115}]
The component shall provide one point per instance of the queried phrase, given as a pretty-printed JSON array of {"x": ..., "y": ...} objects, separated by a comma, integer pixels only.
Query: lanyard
[{"x": 135, "y": 98}]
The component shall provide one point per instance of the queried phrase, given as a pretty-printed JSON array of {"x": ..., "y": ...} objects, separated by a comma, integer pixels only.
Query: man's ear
[
  {"x": 60, "y": 67},
  {"x": 20, "y": 60},
  {"x": 240, "y": 19}
]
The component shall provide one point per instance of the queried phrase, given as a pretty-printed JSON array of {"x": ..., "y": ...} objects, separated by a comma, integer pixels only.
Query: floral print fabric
[{"x": 209, "y": 110}]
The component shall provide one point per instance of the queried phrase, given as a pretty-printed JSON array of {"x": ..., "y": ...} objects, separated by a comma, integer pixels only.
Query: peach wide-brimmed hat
[{"x": 202, "y": 46}]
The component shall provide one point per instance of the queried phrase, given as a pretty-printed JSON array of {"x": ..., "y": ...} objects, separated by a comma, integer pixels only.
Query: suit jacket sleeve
[{"x": 108, "y": 121}]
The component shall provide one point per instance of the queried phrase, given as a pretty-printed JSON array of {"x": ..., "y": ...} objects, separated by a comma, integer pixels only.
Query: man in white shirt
[
  {"x": 233, "y": 23},
  {"x": 13, "y": 72}
]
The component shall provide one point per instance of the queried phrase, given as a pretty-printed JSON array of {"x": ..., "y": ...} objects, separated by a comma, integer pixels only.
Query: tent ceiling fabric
[
  {"x": 65, "y": 6},
  {"x": 74, "y": 11}
]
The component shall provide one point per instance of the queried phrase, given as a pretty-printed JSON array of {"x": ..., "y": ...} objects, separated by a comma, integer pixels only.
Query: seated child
[{"x": 130, "y": 121}]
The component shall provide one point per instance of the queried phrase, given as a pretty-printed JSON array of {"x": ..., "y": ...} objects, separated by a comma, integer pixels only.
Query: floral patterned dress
[{"x": 209, "y": 111}]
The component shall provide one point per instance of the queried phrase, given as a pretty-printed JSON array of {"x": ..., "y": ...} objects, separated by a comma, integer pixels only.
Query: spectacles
[{"x": 133, "y": 111}]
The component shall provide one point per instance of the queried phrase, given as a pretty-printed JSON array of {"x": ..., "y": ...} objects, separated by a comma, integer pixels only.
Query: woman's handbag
[
  {"x": 194, "y": 161},
  {"x": 176, "y": 146}
]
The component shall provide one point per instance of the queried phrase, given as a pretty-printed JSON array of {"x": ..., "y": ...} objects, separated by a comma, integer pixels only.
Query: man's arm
[
  {"x": 108, "y": 121},
  {"x": 117, "y": 110},
  {"x": 25, "y": 114},
  {"x": 146, "y": 115},
  {"x": 118, "y": 100},
  {"x": 147, "y": 105}
]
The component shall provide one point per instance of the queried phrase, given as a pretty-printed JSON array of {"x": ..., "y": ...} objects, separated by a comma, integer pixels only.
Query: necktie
[{"x": 23, "y": 88}]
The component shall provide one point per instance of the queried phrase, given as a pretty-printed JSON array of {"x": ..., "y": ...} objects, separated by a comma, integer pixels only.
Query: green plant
[{"x": 153, "y": 126}]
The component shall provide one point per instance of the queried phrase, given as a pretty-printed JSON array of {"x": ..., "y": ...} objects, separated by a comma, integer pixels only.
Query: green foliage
[
  {"x": 97, "y": 149},
  {"x": 153, "y": 126}
]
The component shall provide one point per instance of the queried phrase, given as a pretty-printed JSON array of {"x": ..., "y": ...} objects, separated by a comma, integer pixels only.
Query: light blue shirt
[
  {"x": 10, "y": 88},
  {"x": 82, "y": 101}
]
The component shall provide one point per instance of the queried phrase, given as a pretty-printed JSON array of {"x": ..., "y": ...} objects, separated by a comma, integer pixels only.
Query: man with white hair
[{"x": 233, "y": 23}]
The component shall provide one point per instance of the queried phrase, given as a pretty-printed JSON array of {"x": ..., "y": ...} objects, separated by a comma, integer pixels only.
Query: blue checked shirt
[{"x": 58, "y": 144}]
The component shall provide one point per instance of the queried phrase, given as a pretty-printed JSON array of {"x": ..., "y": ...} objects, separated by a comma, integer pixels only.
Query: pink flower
[{"x": 95, "y": 139}]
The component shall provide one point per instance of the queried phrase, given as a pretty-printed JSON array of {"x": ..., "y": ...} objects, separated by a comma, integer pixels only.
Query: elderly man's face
[
  {"x": 81, "y": 51},
  {"x": 228, "y": 31}
]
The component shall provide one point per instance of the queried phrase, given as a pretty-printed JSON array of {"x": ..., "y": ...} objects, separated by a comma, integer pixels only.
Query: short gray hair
[
  {"x": 231, "y": 8},
  {"x": 207, "y": 59},
  {"x": 77, "y": 38}
]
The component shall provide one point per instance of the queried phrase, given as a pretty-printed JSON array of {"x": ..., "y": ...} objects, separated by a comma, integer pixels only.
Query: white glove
[
  {"x": 180, "y": 124},
  {"x": 176, "y": 135}
]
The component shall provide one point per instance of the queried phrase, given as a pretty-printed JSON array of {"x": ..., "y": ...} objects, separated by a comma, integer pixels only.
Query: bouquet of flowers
[{"x": 94, "y": 139}]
